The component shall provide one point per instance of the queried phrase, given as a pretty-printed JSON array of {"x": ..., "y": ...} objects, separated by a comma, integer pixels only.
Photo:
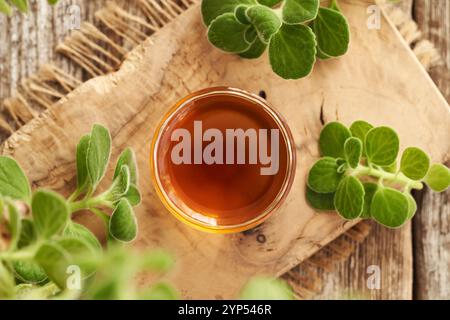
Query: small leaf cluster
[
  {"x": 40, "y": 242},
  {"x": 266, "y": 288},
  {"x": 359, "y": 175},
  {"x": 294, "y": 31},
  {"x": 21, "y": 5}
]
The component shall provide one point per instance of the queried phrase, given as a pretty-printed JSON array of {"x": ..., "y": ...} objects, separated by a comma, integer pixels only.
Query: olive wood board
[{"x": 379, "y": 80}]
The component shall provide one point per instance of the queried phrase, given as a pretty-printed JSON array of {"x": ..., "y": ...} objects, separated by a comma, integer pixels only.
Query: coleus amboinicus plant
[
  {"x": 294, "y": 31},
  {"x": 359, "y": 175},
  {"x": 40, "y": 242}
]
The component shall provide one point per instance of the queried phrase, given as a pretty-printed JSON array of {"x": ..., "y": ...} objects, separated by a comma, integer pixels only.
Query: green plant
[
  {"x": 40, "y": 243},
  {"x": 359, "y": 176},
  {"x": 266, "y": 288},
  {"x": 295, "y": 31},
  {"x": 22, "y": 5}
]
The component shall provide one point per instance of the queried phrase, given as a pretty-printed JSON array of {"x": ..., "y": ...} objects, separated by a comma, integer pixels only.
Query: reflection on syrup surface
[{"x": 221, "y": 194}]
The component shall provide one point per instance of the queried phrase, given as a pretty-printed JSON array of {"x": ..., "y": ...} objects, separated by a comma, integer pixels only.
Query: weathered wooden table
[{"x": 414, "y": 261}]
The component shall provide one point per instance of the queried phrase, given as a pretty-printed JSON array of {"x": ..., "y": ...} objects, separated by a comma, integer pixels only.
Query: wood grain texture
[
  {"x": 187, "y": 62},
  {"x": 432, "y": 223},
  {"x": 28, "y": 41}
]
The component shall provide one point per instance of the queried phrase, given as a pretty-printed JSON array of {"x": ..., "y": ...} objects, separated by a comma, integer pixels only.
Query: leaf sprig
[
  {"x": 294, "y": 31},
  {"x": 359, "y": 175},
  {"x": 21, "y": 5},
  {"x": 42, "y": 241}
]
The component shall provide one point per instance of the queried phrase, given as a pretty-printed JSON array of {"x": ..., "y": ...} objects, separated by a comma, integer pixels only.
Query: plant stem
[
  {"x": 24, "y": 254},
  {"x": 73, "y": 196},
  {"x": 89, "y": 203},
  {"x": 383, "y": 175}
]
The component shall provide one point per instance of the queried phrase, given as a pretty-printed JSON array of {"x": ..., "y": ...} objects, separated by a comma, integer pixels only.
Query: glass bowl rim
[{"x": 277, "y": 201}]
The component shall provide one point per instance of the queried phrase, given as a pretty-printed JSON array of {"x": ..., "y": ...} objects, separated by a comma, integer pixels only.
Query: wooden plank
[
  {"x": 131, "y": 101},
  {"x": 432, "y": 224},
  {"x": 28, "y": 41}
]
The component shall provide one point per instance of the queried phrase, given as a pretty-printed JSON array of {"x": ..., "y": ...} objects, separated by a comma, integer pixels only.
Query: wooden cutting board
[{"x": 379, "y": 80}]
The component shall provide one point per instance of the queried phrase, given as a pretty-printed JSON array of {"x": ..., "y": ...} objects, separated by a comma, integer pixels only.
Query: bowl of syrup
[{"x": 222, "y": 160}]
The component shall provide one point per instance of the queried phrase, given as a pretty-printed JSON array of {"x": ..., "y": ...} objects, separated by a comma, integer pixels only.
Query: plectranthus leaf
[
  {"x": 332, "y": 139},
  {"x": 228, "y": 34},
  {"x": 382, "y": 146},
  {"x": 300, "y": 11},
  {"x": 349, "y": 198},
  {"x": 390, "y": 207},
  {"x": 292, "y": 51},
  {"x": 353, "y": 151},
  {"x": 211, "y": 9},
  {"x": 415, "y": 163},
  {"x": 320, "y": 201},
  {"x": 13, "y": 181},
  {"x": 438, "y": 177},
  {"x": 324, "y": 176},
  {"x": 332, "y": 32},
  {"x": 265, "y": 21}
]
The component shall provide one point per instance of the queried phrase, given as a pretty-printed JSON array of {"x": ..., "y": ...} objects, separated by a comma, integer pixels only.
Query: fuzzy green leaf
[
  {"x": 349, "y": 198},
  {"x": 14, "y": 225},
  {"x": 334, "y": 5},
  {"x": 211, "y": 9},
  {"x": 78, "y": 231},
  {"x": 320, "y": 201},
  {"x": 241, "y": 15},
  {"x": 228, "y": 34},
  {"x": 415, "y": 163},
  {"x": 255, "y": 51},
  {"x": 265, "y": 21},
  {"x": 359, "y": 130},
  {"x": 382, "y": 146},
  {"x": 160, "y": 291},
  {"x": 128, "y": 158},
  {"x": 332, "y": 139},
  {"x": 22, "y": 5},
  {"x": 133, "y": 195},
  {"x": 390, "y": 207},
  {"x": 324, "y": 176},
  {"x": 292, "y": 51},
  {"x": 332, "y": 32},
  {"x": 157, "y": 261},
  {"x": 54, "y": 261},
  {"x": 83, "y": 181},
  {"x": 5, "y": 8},
  {"x": 27, "y": 234},
  {"x": 120, "y": 185},
  {"x": 262, "y": 288},
  {"x": 321, "y": 55},
  {"x": 369, "y": 191},
  {"x": 353, "y": 151},
  {"x": 412, "y": 206},
  {"x": 123, "y": 223},
  {"x": 250, "y": 35},
  {"x": 7, "y": 283},
  {"x": 29, "y": 272},
  {"x": 98, "y": 154},
  {"x": 300, "y": 11},
  {"x": 55, "y": 257},
  {"x": 438, "y": 177},
  {"x": 50, "y": 213},
  {"x": 13, "y": 182},
  {"x": 269, "y": 3}
]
